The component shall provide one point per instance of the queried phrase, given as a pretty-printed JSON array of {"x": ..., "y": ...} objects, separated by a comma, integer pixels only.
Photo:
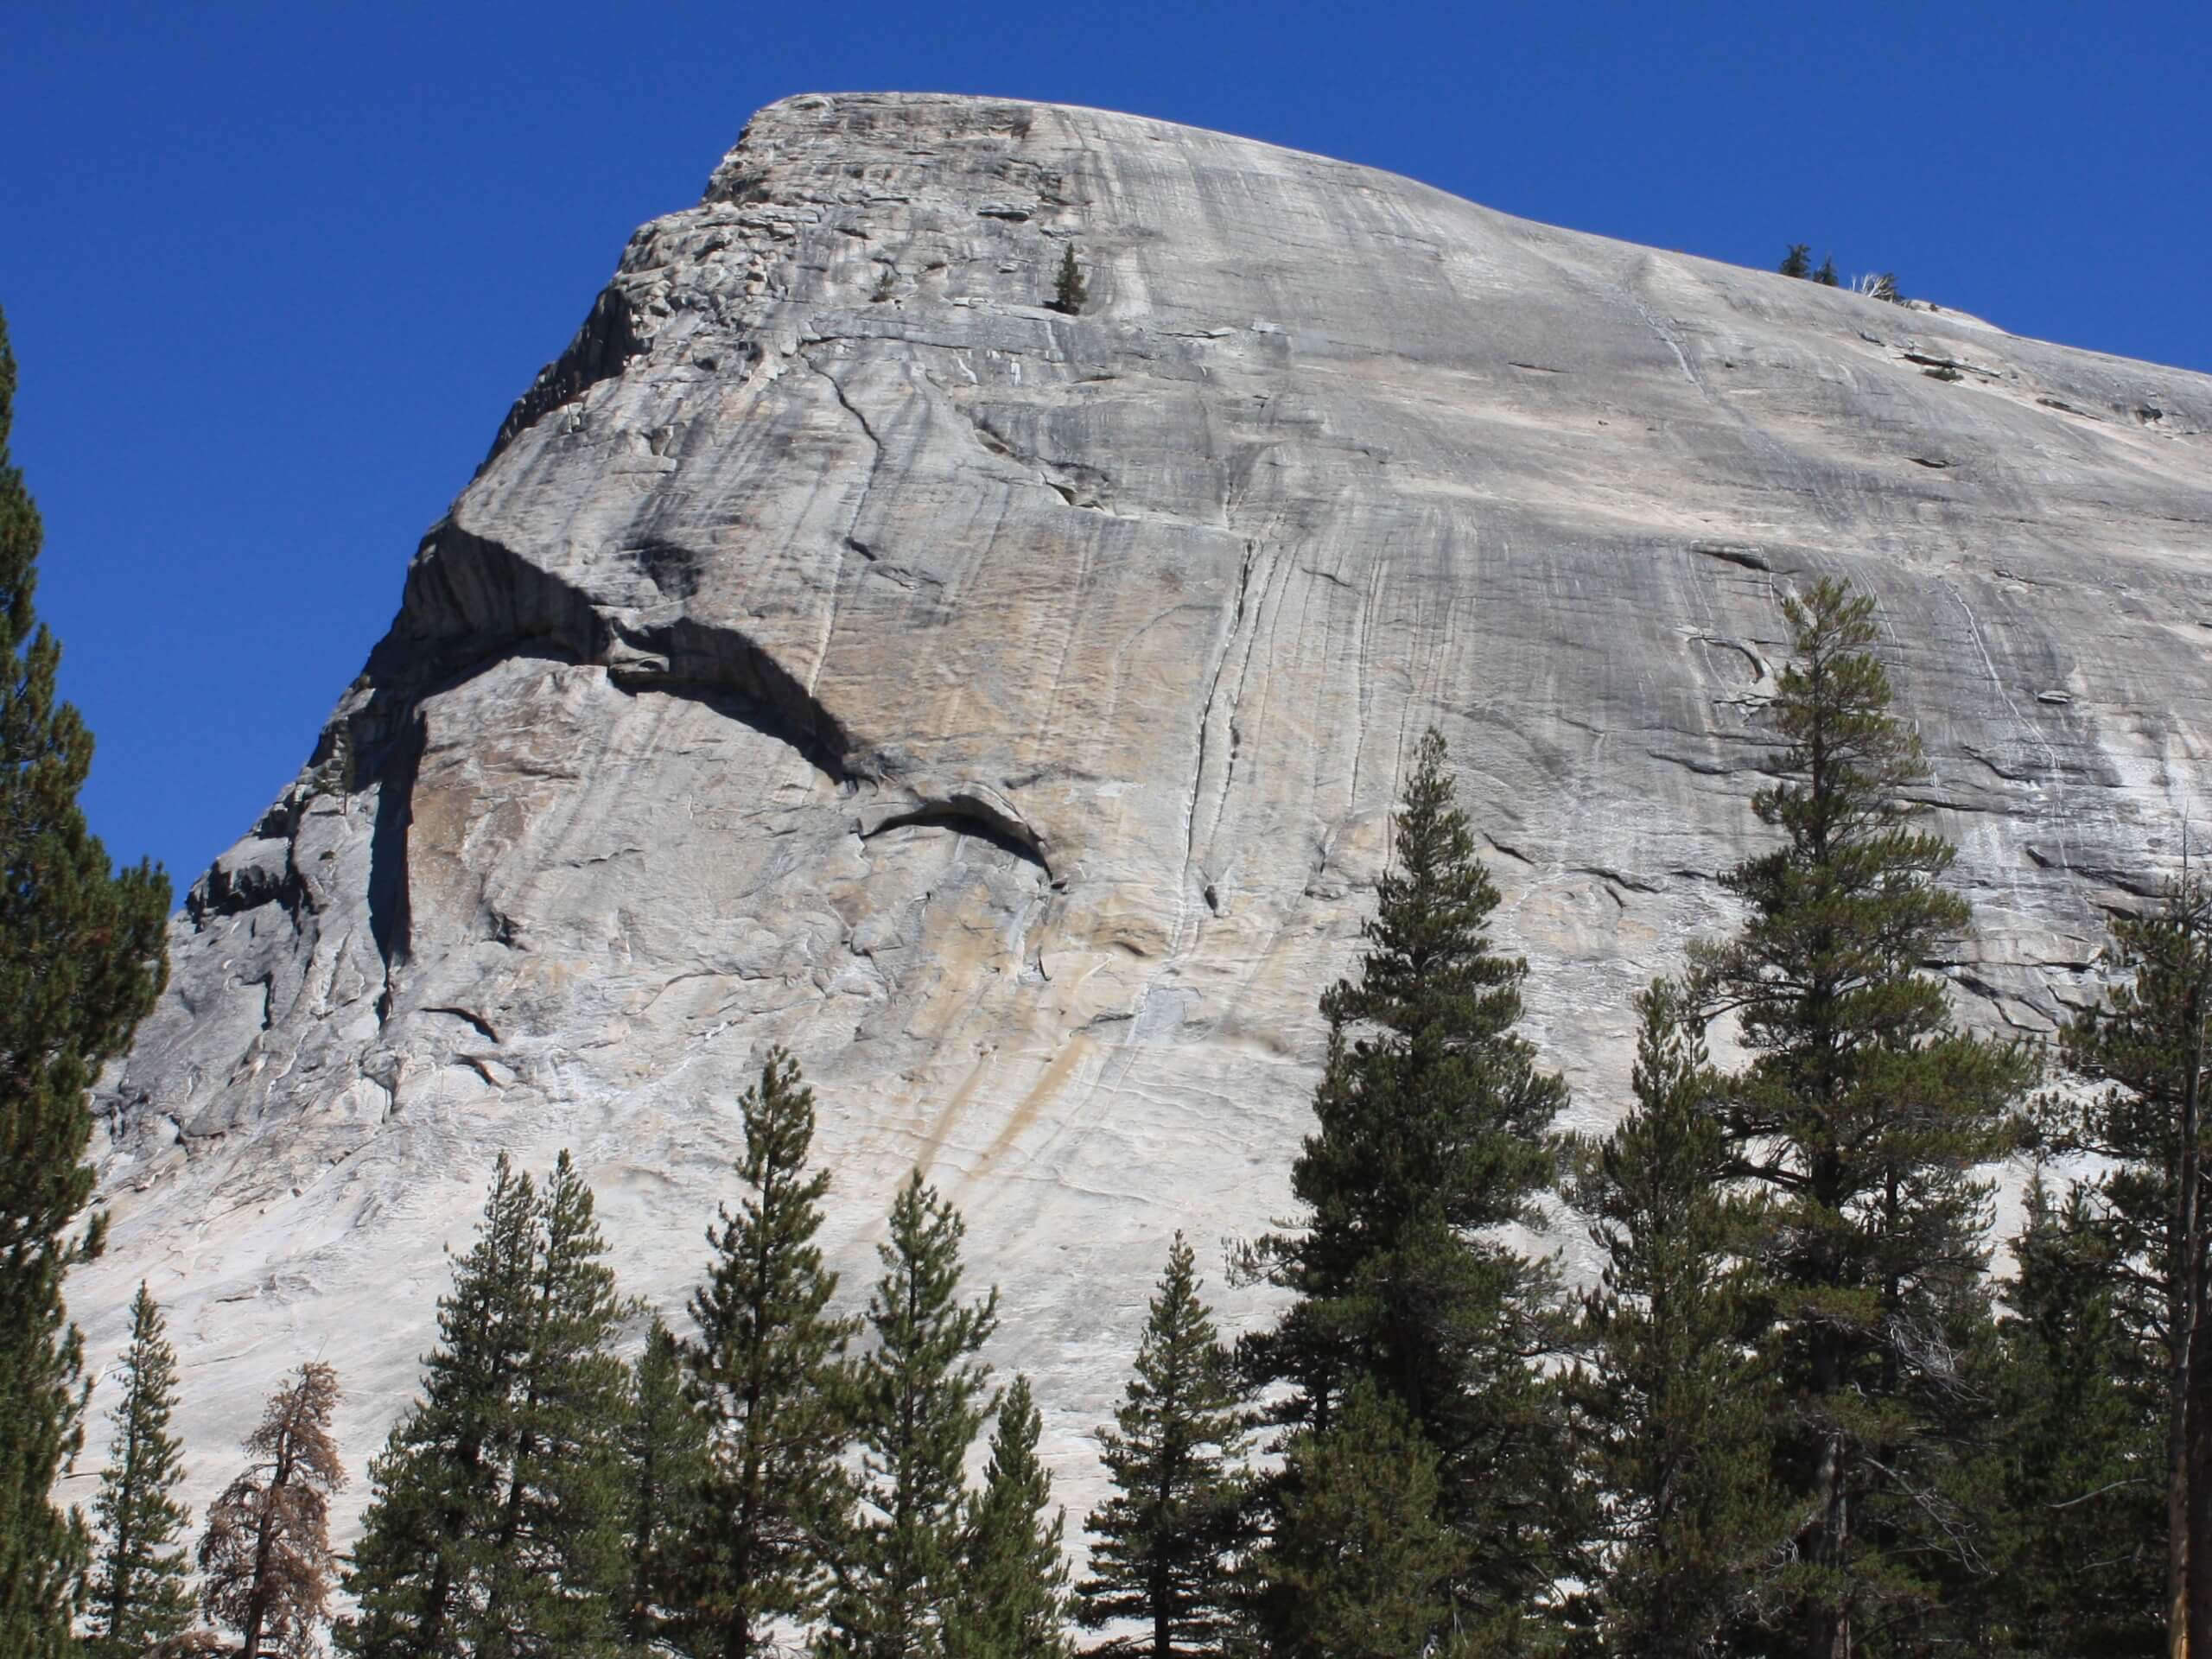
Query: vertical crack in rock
[
  {"x": 867, "y": 483},
  {"x": 1212, "y": 708}
]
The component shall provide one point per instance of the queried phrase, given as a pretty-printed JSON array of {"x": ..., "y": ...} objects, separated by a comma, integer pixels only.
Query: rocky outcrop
[{"x": 1004, "y": 708}]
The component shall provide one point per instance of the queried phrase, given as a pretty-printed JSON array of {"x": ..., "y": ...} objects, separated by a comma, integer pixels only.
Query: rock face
[{"x": 1004, "y": 709}]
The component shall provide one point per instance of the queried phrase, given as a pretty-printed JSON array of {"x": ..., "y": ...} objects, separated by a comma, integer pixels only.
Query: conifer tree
[
  {"x": 664, "y": 1473},
  {"x": 1069, "y": 293},
  {"x": 765, "y": 1368},
  {"x": 1012, "y": 1602},
  {"x": 2079, "y": 1492},
  {"x": 1683, "y": 1410},
  {"x": 917, "y": 1400},
  {"x": 82, "y": 958},
  {"x": 2147, "y": 1044},
  {"x": 1826, "y": 275},
  {"x": 1168, "y": 1541},
  {"x": 1798, "y": 262},
  {"x": 139, "y": 1593},
  {"x": 1360, "y": 1562},
  {"x": 555, "y": 1567},
  {"x": 435, "y": 1484},
  {"x": 1863, "y": 1115},
  {"x": 1435, "y": 1133},
  {"x": 496, "y": 1526},
  {"x": 265, "y": 1558}
]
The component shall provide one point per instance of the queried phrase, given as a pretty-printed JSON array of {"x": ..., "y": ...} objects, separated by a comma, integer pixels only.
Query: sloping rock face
[{"x": 1004, "y": 709}]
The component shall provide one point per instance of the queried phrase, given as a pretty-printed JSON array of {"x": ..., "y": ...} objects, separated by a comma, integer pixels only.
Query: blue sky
[{"x": 273, "y": 273}]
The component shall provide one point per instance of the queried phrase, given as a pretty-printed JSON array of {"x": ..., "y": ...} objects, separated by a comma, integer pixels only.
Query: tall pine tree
[
  {"x": 1863, "y": 1115},
  {"x": 918, "y": 1400},
  {"x": 554, "y": 1555},
  {"x": 414, "y": 1577},
  {"x": 764, "y": 1368},
  {"x": 1434, "y": 1134},
  {"x": 1681, "y": 1407},
  {"x": 1168, "y": 1543},
  {"x": 139, "y": 1590},
  {"x": 664, "y": 1481},
  {"x": 1012, "y": 1602},
  {"x": 496, "y": 1525},
  {"x": 2147, "y": 1045},
  {"x": 265, "y": 1560},
  {"x": 82, "y": 957}
]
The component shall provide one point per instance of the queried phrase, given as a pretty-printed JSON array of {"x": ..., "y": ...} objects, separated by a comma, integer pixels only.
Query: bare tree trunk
[
  {"x": 1828, "y": 1634},
  {"x": 258, "y": 1609},
  {"x": 2177, "y": 1492}
]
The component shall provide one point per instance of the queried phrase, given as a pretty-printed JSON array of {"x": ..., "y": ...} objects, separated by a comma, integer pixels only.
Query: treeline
[
  {"x": 1879, "y": 285},
  {"x": 1798, "y": 1413}
]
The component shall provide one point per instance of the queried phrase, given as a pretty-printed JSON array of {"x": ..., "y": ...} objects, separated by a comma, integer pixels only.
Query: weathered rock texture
[{"x": 1004, "y": 709}]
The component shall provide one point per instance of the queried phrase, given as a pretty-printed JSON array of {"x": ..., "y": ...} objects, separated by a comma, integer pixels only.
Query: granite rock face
[{"x": 842, "y": 648}]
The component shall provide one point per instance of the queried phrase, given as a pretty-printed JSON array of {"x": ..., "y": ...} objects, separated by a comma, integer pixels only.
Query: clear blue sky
[{"x": 273, "y": 273}]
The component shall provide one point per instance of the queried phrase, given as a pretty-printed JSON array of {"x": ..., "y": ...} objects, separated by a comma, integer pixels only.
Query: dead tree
[{"x": 266, "y": 1555}]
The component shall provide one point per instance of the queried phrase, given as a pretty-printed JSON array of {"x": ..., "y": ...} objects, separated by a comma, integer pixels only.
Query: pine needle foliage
[
  {"x": 665, "y": 1465},
  {"x": 764, "y": 1368},
  {"x": 82, "y": 958},
  {"x": 265, "y": 1560},
  {"x": 2079, "y": 1494},
  {"x": 1013, "y": 1597},
  {"x": 414, "y": 1575},
  {"x": 1167, "y": 1545},
  {"x": 1360, "y": 1562},
  {"x": 918, "y": 1400},
  {"x": 1798, "y": 262},
  {"x": 2146, "y": 1045},
  {"x": 1434, "y": 1132},
  {"x": 1680, "y": 1405},
  {"x": 140, "y": 1593},
  {"x": 1864, "y": 1114},
  {"x": 1070, "y": 292},
  {"x": 496, "y": 1526},
  {"x": 555, "y": 1548}
]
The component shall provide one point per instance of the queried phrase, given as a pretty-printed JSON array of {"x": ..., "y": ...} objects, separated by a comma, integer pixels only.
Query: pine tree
[
  {"x": 918, "y": 1400},
  {"x": 1069, "y": 293},
  {"x": 1863, "y": 1114},
  {"x": 496, "y": 1525},
  {"x": 1681, "y": 1408},
  {"x": 82, "y": 958},
  {"x": 2148, "y": 1045},
  {"x": 764, "y": 1368},
  {"x": 1012, "y": 1602},
  {"x": 555, "y": 1564},
  {"x": 436, "y": 1486},
  {"x": 265, "y": 1557},
  {"x": 2079, "y": 1482},
  {"x": 1169, "y": 1539},
  {"x": 664, "y": 1472},
  {"x": 139, "y": 1592},
  {"x": 1826, "y": 275},
  {"x": 1798, "y": 262},
  {"x": 1360, "y": 1562},
  {"x": 1434, "y": 1134}
]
